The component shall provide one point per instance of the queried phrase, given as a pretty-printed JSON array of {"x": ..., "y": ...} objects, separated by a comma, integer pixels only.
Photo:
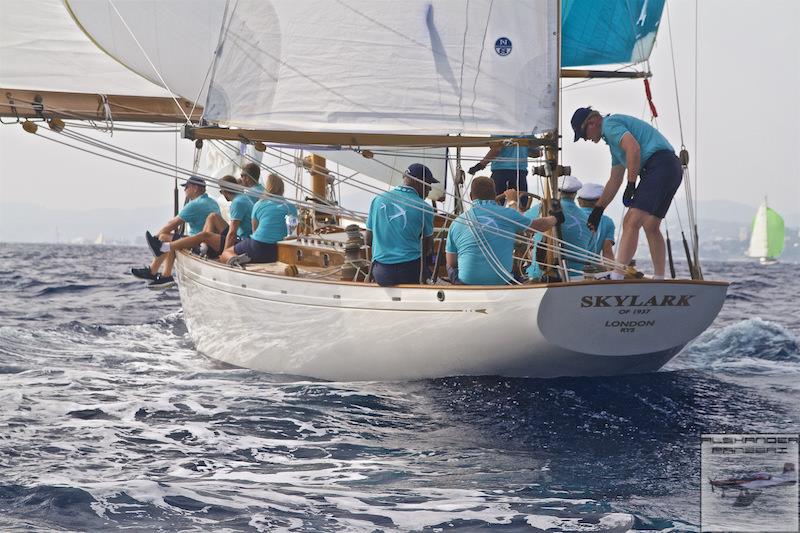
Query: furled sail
[
  {"x": 417, "y": 66},
  {"x": 767, "y": 239},
  {"x": 605, "y": 32}
]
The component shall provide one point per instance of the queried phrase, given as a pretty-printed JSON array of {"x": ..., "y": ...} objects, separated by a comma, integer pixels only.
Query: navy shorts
[
  {"x": 257, "y": 251},
  {"x": 661, "y": 176},
  {"x": 511, "y": 179},
  {"x": 388, "y": 275}
]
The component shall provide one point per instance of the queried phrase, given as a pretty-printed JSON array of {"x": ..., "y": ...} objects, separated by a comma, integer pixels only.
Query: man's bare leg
[
  {"x": 210, "y": 238},
  {"x": 169, "y": 261},
  {"x": 633, "y": 221},
  {"x": 215, "y": 224},
  {"x": 658, "y": 248}
]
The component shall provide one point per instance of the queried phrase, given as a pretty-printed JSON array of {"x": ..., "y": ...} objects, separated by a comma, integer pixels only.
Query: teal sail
[{"x": 606, "y": 32}]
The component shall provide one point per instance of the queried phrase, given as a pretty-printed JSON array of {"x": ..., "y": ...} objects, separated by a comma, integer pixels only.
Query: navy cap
[
  {"x": 578, "y": 118},
  {"x": 194, "y": 180},
  {"x": 421, "y": 172}
]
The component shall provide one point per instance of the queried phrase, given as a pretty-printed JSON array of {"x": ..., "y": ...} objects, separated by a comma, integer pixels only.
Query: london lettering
[{"x": 637, "y": 301}]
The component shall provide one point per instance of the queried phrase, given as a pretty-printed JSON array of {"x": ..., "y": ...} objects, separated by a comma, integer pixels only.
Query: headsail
[
  {"x": 418, "y": 66},
  {"x": 605, "y": 32},
  {"x": 767, "y": 239}
]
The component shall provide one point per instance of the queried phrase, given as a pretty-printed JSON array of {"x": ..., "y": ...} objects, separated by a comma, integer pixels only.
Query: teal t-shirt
[
  {"x": 486, "y": 225},
  {"x": 650, "y": 139},
  {"x": 398, "y": 219},
  {"x": 255, "y": 193},
  {"x": 242, "y": 210},
  {"x": 271, "y": 216},
  {"x": 574, "y": 231},
  {"x": 196, "y": 211},
  {"x": 513, "y": 157},
  {"x": 605, "y": 232}
]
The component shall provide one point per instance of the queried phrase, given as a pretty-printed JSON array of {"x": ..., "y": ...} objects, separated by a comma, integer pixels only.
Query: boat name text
[{"x": 637, "y": 301}]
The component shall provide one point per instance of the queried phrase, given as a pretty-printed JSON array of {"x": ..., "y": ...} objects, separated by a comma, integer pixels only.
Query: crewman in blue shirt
[
  {"x": 399, "y": 229},
  {"x": 509, "y": 167},
  {"x": 269, "y": 227},
  {"x": 249, "y": 177},
  {"x": 480, "y": 242},
  {"x": 641, "y": 150},
  {"x": 574, "y": 231},
  {"x": 193, "y": 216},
  {"x": 217, "y": 234},
  {"x": 602, "y": 242}
]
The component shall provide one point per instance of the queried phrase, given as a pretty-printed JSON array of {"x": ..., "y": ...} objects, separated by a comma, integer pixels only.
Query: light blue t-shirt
[
  {"x": 486, "y": 225},
  {"x": 397, "y": 220},
  {"x": 271, "y": 216},
  {"x": 605, "y": 232},
  {"x": 254, "y": 193},
  {"x": 650, "y": 139},
  {"x": 196, "y": 211},
  {"x": 242, "y": 210},
  {"x": 574, "y": 231},
  {"x": 513, "y": 157}
]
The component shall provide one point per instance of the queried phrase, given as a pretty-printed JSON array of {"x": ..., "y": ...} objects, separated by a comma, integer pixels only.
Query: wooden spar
[
  {"x": 318, "y": 179},
  {"x": 582, "y": 73},
  {"x": 19, "y": 103},
  {"x": 348, "y": 139}
]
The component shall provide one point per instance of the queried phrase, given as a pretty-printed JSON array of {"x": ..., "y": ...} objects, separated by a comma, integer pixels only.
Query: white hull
[{"x": 347, "y": 331}]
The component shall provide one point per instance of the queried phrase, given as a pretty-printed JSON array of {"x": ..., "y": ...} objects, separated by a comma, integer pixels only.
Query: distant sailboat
[
  {"x": 766, "y": 240},
  {"x": 100, "y": 239}
]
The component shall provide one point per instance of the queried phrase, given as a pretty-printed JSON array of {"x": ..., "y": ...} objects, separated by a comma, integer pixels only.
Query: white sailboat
[
  {"x": 767, "y": 236},
  {"x": 387, "y": 80}
]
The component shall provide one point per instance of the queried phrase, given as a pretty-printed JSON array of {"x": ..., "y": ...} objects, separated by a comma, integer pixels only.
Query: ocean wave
[{"x": 749, "y": 346}]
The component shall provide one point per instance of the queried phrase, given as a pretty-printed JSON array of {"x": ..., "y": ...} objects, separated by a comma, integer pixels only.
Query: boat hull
[{"x": 350, "y": 332}]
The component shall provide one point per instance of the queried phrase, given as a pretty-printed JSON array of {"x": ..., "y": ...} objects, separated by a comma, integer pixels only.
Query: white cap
[
  {"x": 590, "y": 191},
  {"x": 570, "y": 184}
]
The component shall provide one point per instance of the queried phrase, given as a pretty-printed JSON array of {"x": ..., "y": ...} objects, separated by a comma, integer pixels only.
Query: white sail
[
  {"x": 417, "y": 66},
  {"x": 759, "y": 245},
  {"x": 41, "y": 48}
]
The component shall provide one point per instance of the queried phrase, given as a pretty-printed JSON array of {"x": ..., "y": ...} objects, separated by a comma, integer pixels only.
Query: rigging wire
[{"x": 147, "y": 57}]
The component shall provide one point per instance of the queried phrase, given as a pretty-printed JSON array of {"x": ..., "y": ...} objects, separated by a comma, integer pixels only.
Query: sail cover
[
  {"x": 373, "y": 66},
  {"x": 604, "y": 32}
]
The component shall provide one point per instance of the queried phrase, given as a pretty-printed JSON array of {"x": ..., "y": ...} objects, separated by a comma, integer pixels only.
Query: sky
[{"x": 743, "y": 104}]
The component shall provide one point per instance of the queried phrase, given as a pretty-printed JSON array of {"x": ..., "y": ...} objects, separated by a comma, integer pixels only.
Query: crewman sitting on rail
[
  {"x": 216, "y": 234},
  {"x": 249, "y": 177},
  {"x": 269, "y": 227},
  {"x": 602, "y": 241},
  {"x": 399, "y": 229},
  {"x": 194, "y": 213},
  {"x": 480, "y": 242},
  {"x": 574, "y": 232}
]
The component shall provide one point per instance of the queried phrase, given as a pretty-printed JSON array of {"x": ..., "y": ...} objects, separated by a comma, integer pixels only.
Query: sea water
[{"x": 109, "y": 419}]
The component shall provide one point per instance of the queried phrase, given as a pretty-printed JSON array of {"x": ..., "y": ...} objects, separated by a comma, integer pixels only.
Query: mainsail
[
  {"x": 767, "y": 238},
  {"x": 418, "y": 66},
  {"x": 604, "y": 32}
]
